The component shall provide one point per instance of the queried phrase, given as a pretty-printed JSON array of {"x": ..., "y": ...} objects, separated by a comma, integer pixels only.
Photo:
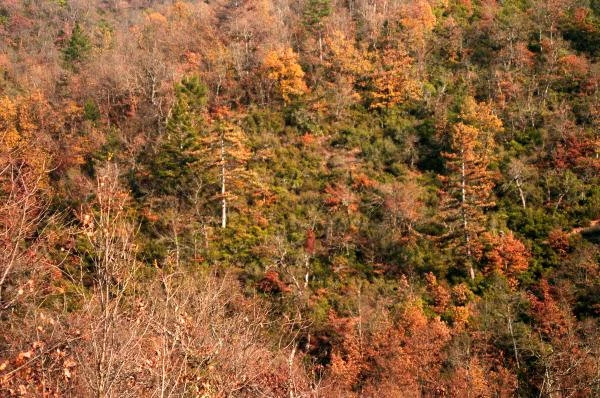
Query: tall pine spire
[{"x": 469, "y": 182}]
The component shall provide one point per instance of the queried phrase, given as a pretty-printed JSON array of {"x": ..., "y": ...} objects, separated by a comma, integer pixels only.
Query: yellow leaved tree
[
  {"x": 393, "y": 82},
  {"x": 346, "y": 58},
  {"x": 283, "y": 69}
]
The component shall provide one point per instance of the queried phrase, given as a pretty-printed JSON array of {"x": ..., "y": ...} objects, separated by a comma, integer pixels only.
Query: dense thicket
[{"x": 376, "y": 198}]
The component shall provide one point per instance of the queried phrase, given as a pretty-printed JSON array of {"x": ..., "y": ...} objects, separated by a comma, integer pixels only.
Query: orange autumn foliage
[
  {"x": 345, "y": 57},
  {"x": 393, "y": 82},
  {"x": 339, "y": 197},
  {"x": 507, "y": 255},
  {"x": 282, "y": 68},
  {"x": 394, "y": 359},
  {"x": 441, "y": 296},
  {"x": 272, "y": 283},
  {"x": 559, "y": 241},
  {"x": 552, "y": 321}
]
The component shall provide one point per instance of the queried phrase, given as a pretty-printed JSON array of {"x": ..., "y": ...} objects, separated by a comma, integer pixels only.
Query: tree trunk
[
  {"x": 463, "y": 191},
  {"x": 224, "y": 200},
  {"x": 512, "y": 336},
  {"x": 320, "y": 46},
  {"x": 521, "y": 194}
]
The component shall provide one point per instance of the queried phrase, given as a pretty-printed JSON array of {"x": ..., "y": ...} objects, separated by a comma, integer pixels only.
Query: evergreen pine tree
[
  {"x": 78, "y": 46},
  {"x": 470, "y": 182},
  {"x": 174, "y": 167}
]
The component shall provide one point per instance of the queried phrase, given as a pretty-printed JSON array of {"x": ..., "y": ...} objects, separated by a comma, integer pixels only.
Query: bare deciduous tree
[{"x": 111, "y": 331}]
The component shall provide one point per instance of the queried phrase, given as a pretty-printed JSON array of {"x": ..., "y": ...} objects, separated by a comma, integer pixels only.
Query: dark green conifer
[
  {"x": 174, "y": 164},
  {"x": 78, "y": 46}
]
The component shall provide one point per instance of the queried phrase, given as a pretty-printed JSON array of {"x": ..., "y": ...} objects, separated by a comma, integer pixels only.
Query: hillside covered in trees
[{"x": 309, "y": 198}]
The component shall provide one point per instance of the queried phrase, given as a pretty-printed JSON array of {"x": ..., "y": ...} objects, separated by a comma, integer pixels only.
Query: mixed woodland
[{"x": 309, "y": 198}]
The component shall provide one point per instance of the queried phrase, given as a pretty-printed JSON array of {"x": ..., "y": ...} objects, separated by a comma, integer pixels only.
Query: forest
[{"x": 300, "y": 198}]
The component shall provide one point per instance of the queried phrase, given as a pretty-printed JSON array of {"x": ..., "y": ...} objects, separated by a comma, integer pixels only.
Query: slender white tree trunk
[
  {"x": 463, "y": 190},
  {"x": 320, "y": 46},
  {"x": 224, "y": 200},
  {"x": 521, "y": 194}
]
